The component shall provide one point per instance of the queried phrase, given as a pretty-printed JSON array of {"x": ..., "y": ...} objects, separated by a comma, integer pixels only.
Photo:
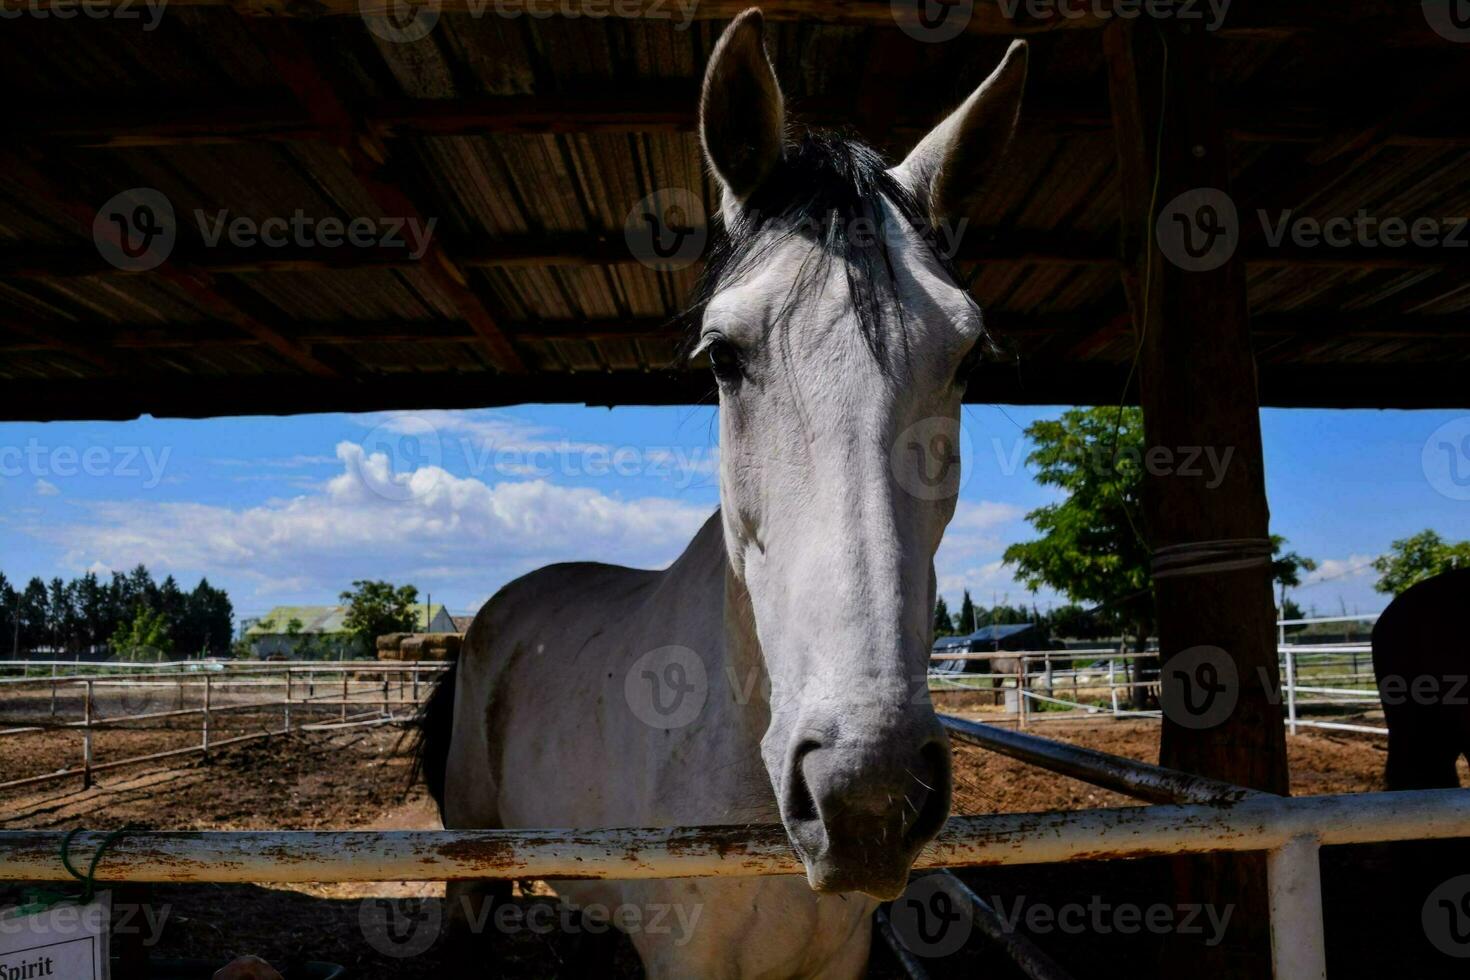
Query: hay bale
[
  {"x": 431, "y": 646},
  {"x": 391, "y": 641}
]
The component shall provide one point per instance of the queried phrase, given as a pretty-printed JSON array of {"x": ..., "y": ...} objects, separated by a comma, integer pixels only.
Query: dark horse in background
[{"x": 1423, "y": 670}]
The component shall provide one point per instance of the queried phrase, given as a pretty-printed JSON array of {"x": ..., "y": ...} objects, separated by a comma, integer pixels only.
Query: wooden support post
[
  {"x": 53, "y": 690},
  {"x": 286, "y": 714},
  {"x": 1197, "y": 386},
  {"x": 87, "y": 711},
  {"x": 344, "y": 694},
  {"x": 204, "y": 745}
]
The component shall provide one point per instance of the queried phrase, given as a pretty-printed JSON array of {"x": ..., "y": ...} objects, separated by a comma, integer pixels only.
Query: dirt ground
[{"x": 359, "y": 779}]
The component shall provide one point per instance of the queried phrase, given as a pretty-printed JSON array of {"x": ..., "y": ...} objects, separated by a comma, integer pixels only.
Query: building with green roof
[{"x": 321, "y": 631}]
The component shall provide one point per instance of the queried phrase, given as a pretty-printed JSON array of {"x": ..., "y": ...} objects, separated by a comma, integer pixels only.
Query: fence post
[
  {"x": 1290, "y": 691},
  {"x": 1294, "y": 879},
  {"x": 87, "y": 710},
  {"x": 286, "y": 714},
  {"x": 344, "y": 693},
  {"x": 415, "y": 686},
  {"x": 1113, "y": 684},
  {"x": 387, "y": 705},
  {"x": 53, "y": 690},
  {"x": 204, "y": 746},
  {"x": 1021, "y": 692}
]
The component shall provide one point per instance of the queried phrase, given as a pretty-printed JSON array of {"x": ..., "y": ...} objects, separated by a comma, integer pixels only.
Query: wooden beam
[
  {"x": 231, "y": 118},
  {"x": 370, "y": 163},
  {"x": 1197, "y": 386},
  {"x": 1036, "y": 382},
  {"x": 1384, "y": 20},
  {"x": 1087, "y": 333},
  {"x": 197, "y": 286},
  {"x": 982, "y": 245}
]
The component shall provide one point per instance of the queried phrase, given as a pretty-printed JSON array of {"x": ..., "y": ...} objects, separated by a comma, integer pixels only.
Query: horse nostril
[
  {"x": 800, "y": 804},
  {"x": 932, "y": 808}
]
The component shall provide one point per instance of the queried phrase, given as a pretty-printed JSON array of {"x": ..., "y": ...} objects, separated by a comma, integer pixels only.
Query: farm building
[
  {"x": 322, "y": 630},
  {"x": 1011, "y": 636}
]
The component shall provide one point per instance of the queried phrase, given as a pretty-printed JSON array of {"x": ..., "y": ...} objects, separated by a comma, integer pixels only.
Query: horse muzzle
[{"x": 860, "y": 810}]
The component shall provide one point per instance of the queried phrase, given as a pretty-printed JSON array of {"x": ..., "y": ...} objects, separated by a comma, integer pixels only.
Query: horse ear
[
  {"x": 742, "y": 117},
  {"x": 947, "y": 170}
]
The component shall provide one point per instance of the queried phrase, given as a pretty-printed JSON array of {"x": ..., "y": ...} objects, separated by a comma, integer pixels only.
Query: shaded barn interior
[{"x": 529, "y": 141}]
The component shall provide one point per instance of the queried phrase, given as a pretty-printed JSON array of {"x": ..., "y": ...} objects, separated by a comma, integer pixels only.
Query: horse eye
[{"x": 724, "y": 359}]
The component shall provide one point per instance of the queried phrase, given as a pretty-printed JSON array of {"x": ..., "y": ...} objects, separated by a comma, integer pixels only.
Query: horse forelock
[{"x": 836, "y": 194}]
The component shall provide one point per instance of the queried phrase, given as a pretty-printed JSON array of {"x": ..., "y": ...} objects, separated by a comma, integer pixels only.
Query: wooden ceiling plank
[{"x": 368, "y": 156}]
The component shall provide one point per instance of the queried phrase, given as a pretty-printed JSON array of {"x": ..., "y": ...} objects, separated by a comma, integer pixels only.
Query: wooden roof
[{"x": 528, "y": 141}]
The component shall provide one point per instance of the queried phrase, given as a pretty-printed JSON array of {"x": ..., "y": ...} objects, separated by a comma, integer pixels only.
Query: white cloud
[
  {"x": 1340, "y": 570},
  {"x": 45, "y": 488},
  {"x": 369, "y": 521}
]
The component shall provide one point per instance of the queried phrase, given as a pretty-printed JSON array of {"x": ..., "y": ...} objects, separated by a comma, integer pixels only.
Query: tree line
[{"x": 129, "y": 615}]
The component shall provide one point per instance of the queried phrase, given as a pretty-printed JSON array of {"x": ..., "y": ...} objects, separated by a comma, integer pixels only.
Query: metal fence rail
[
  {"x": 1314, "y": 678},
  {"x": 207, "y": 679}
]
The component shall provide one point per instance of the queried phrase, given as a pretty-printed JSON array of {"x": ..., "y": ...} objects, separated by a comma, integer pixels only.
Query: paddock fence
[
  {"x": 1190, "y": 815},
  {"x": 1318, "y": 682},
  {"x": 270, "y": 698}
]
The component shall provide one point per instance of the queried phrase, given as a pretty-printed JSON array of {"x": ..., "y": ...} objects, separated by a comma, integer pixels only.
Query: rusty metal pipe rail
[
  {"x": 1258, "y": 823},
  {"x": 1127, "y": 776}
]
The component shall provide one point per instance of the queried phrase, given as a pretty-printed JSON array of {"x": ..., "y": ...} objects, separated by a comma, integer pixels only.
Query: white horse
[{"x": 777, "y": 668}]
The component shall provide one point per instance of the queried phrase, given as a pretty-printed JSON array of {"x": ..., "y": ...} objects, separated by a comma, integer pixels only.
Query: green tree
[
  {"x": 943, "y": 625},
  {"x": 968, "y": 620},
  {"x": 145, "y": 637},
  {"x": 1093, "y": 543},
  {"x": 1286, "y": 570},
  {"x": 1413, "y": 559},
  {"x": 375, "y": 608}
]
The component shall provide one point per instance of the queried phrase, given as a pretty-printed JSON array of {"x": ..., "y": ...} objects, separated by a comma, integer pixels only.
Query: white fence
[
  {"x": 1315, "y": 679},
  {"x": 361, "y": 692}
]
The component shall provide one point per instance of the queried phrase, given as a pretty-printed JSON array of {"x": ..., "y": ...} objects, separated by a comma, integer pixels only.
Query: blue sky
[{"x": 290, "y": 510}]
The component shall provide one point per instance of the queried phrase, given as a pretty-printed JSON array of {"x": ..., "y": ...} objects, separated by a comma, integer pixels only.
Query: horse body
[
  {"x": 543, "y": 676},
  {"x": 777, "y": 670},
  {"x": 1424, "y": 682}
]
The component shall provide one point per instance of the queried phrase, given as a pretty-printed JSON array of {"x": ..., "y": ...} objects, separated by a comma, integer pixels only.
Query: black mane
[{"x": 828, "y": 190}]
